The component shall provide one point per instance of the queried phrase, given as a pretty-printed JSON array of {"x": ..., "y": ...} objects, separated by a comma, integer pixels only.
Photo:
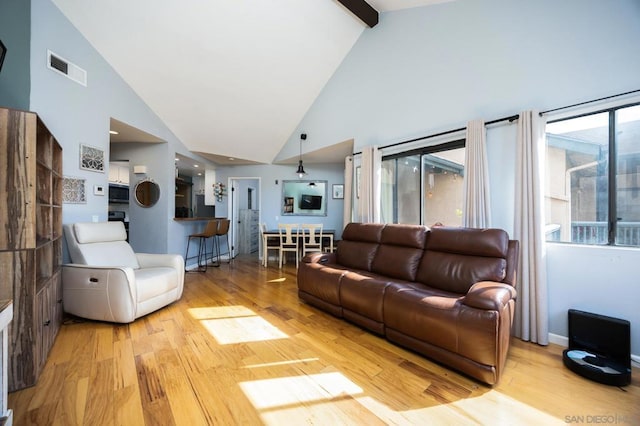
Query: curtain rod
[
  {"x": 448, "y": 132},
  {"x": 588, "y": 102}
]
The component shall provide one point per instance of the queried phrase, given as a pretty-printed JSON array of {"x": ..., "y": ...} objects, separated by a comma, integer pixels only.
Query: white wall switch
[{"x": 98, "y": 190}]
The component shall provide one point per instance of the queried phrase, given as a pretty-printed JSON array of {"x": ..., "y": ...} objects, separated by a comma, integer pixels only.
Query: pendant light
[{"x": 300, "y": 172}]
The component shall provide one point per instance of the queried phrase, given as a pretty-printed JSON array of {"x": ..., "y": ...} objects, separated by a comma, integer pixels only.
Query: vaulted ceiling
[{"x": 230, "y": 78}]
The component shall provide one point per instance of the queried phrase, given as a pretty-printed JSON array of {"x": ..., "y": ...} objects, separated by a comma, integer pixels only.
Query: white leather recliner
[{"x": 107, "y": 281}]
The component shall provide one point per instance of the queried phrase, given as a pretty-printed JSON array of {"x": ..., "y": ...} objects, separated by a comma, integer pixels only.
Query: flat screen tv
[{"x": 310, "y": 202}]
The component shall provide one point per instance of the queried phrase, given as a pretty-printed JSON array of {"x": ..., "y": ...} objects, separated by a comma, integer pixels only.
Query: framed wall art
[
  {"x": 338, "y": 191},
  {"x": 73, "y": 190},
  {"x": 91, "y": 158}
]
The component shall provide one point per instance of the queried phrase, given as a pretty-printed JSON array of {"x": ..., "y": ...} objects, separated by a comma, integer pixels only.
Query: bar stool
[
  {"x": 222, "y": 232},
  {"x": 209, "y": 231}
]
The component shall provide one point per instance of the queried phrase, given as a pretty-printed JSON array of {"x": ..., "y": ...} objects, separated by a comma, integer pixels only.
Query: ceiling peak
[{"x": 362, "y": 10}]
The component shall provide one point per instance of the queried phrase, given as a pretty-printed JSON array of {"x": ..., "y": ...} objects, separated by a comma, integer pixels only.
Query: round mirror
[{"x": 147, "y": 193}]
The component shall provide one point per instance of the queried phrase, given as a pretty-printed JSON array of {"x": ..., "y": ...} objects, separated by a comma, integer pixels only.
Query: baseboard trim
[
  {"x": 211, "y": 263},
  {"x": 564, "y": 341},
  {"x": 558, "y": 340}
]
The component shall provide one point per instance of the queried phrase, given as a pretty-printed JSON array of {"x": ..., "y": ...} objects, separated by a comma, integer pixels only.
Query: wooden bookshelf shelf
[{"x": 30, "y": 241}]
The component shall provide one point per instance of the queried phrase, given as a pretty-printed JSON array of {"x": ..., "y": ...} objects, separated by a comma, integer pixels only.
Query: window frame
[
  {"x": 420, "y": 151},
  {"x": 612, "y": 164}
]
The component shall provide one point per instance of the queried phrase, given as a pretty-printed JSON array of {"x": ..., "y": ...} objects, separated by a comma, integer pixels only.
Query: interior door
[{"x": 239, "y": 200}]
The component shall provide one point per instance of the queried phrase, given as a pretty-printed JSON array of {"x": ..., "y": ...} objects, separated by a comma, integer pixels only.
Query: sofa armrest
[
  {"x": 175, "y": 261},
  {"x": 152, "y": 260},
  {"x": 320, "y": 258},
  {"x": 99, "y": 292},
  {"x": 489, "y": 295}
]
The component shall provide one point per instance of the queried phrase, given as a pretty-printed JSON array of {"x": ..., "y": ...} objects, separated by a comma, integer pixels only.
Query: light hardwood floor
[{"x": 240, "y": 348}]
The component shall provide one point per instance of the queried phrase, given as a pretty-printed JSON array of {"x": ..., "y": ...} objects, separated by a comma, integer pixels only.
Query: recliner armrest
[
  {"x": 175, "y": 261},
  {"x": 320, "y": 258},
  {"x": 152, "y": 260},
  {"x": 104, "y": 293},
  {"x": 489, "y": 295}
]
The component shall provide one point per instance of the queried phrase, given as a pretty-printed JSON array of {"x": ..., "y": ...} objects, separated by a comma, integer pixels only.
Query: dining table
[{"x": 327, "y": 235}]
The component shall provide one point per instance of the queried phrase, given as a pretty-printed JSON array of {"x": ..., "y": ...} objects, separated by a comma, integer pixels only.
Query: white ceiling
[{"x": 228, "y": 78}]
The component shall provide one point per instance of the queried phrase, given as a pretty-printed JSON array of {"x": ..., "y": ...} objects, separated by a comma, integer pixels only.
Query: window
[
  {"x": 424, "y": 186},
  {"x": 593, "y": 178}
]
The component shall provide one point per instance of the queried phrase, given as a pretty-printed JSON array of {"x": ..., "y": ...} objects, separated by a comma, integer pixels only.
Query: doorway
[{"x": 245, "y": 215}]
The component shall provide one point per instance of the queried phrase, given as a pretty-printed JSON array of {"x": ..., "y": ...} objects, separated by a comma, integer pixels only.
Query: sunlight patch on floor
[
  {"x": 490, "y": 408},
  {"x": 286, "y": 392},
  {"x": 281, "y": 363},
  {"x": 435, "y": 415},
  {"x": 211, "y": 312},
  {"x": 504, "y": 410},
  {"x": 241, "y": 330},
  {"x": 235, "y": 324}
]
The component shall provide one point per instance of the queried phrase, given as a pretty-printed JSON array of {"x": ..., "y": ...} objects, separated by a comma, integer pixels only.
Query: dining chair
[
  {"x": 311, "y": 238},
  {"x": 265, "y": 244},
  {"x": 289, "y": 237}
]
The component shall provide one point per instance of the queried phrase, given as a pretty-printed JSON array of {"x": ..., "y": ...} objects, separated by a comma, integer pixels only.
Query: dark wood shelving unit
[{"x": 30, "y": 241}]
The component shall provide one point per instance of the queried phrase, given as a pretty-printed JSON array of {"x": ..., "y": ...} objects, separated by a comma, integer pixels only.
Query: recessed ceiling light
[
  {"x": 177, "y": 159},
  {"x": 113, "y": 132},
  {"x": 195, "y": 165}
]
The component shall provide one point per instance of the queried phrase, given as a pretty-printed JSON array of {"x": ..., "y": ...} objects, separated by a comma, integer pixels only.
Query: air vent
[{"x": 70, "y": 70}]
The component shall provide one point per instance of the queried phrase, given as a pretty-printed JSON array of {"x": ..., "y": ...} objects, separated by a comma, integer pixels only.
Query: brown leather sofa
[{"x": 446, "y": 293}]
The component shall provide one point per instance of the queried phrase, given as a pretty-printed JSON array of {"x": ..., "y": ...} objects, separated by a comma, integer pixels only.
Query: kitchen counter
[{"x": 195, "y": 219}]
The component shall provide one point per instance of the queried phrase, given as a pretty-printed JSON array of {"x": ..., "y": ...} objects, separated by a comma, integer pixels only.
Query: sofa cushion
[
  {"x": 100, "y": 244},
  {"x": 457, "y": 258},
  {"x": 153, "y": 282},
  {"x": 365, "y": 232},
  {"x": 423, "y": 313},
  {"x": 400, "y": 251},
  {"x": 99, "y": 232},
  {"x": 359, "y": 244},
  {"x": 324, "y": 285},
  {"x": 363, "y": 294},
  {"x": 356, "y": 254},
  {"x": 469, "y": 241},
  {"x": 414, "y": 236},
  {"x": 113, "y": 254}
]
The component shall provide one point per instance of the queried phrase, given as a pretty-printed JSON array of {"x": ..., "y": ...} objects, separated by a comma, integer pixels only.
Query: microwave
[{"x": 118, "y": 194}]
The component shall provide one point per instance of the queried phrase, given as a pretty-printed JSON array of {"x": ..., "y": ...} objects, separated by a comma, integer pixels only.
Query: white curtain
[
  {"x": 348, "y": 190},
  {"x": 369, "y": 201},
  {"x": 531, "y": 319},
  {"x": 477, "y": 204}
]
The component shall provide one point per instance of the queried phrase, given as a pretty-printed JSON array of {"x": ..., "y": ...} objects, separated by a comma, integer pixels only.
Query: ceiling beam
[{"x": 362, "y": 10}]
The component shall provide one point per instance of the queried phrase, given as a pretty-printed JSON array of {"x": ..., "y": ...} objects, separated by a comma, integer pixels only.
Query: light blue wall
[
  {"x": 418, "y": 72},
  {"x": 144, "y": 222},
  {"x": 425, "y": 70},
  {"x": 80, "y": 115},
  {"x": 15, "y": 24},
  {"x": 271, "y": 193},
  {"x": 429, "y": 69}
]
